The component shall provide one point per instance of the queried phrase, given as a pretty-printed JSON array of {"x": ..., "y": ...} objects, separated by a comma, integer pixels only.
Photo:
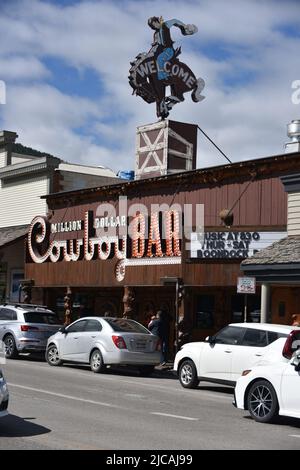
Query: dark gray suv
[{"x": 26, "y": 328}]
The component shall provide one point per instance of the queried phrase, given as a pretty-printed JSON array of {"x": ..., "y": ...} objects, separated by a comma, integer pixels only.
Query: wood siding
[
  {"x": 258, "y": 206},
  {"x": 293, "y": 225},
  {"x": 2, "y": 159},
  {"x": 20, "y": 201}
]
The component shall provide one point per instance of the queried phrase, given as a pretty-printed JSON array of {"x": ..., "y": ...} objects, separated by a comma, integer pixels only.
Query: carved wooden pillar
[
  {"x": 128, "y": 301},
  {"x": 68, "y": 305}
]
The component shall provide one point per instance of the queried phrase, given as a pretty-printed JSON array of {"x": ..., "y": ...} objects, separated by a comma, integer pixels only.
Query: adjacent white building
[{"x": 25, "y": 175}]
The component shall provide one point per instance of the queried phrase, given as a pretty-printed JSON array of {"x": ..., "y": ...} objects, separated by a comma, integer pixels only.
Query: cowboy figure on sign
[{"x": 152, "y": 72}]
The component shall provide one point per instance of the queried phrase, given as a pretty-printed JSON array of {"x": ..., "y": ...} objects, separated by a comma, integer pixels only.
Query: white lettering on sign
[{"x": 219, "y": 245}]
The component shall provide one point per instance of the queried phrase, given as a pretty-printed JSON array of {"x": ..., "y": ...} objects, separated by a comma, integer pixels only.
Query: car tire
[
  {"x": 262, "y": 402},
  {"x": 11, "y": 351},
  {"x": 145, "y": 371},
  {"x": 188, "y": 374},
  {"x": 52, "y": 356},
  {"x": 96, "y": 362}
]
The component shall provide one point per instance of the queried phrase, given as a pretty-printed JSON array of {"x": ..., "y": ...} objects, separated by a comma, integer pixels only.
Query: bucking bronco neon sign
[{"x": 153, "y": 71}]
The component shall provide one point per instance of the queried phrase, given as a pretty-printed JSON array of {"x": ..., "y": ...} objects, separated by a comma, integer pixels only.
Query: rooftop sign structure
[{"x": 151, "y": 72}]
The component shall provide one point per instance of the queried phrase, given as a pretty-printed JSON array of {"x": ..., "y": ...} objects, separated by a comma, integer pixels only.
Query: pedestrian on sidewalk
[{"x": 159, "y": 326}]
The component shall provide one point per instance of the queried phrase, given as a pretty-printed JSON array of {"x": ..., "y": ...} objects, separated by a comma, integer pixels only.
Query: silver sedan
[{"x": 105, "y": 341}]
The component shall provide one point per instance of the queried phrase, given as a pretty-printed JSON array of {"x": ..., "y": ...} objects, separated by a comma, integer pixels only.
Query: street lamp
[{"x": 178, "y": 283}]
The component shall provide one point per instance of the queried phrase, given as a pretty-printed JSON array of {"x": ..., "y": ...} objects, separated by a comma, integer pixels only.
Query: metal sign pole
[{"x": 245, "y": 308}]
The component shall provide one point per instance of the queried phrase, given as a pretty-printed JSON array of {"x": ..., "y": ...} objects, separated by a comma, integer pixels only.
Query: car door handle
[
  {"x": 228, "y": 351},
  {"x": 93, "y": 336},
  {"x": 258, "y": 354},
  {"x": 75, "y": 337}
]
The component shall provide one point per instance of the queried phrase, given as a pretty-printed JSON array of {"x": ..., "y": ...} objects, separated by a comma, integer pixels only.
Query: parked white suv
[{"x": 222, "y": 358}]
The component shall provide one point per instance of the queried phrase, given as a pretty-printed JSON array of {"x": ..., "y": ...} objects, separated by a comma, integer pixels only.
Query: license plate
[{"x": 140, "y": 345}]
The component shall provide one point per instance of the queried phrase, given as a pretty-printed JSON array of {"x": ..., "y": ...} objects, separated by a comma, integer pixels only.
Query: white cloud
[
  {"x": 22, "y": 68},
  {"x": 247, "y": 119}
]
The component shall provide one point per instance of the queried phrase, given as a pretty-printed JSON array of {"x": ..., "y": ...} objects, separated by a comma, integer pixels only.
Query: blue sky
[{"x": 65, "y": 64}]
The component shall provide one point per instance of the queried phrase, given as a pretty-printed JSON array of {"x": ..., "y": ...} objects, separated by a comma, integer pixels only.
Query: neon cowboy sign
[{"x": 143, "y": 241}]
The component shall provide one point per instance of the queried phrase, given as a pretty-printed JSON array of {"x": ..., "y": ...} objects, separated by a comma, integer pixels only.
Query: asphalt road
[{"x": 71, "y": 408}]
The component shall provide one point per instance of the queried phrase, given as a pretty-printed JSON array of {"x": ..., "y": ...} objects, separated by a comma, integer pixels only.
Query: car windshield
[
  {"x": 41, "y": 317},
  {"x": 128, "y": 326}
]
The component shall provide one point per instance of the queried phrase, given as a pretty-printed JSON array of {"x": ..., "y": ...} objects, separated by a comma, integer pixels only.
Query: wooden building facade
[{"x": 84, "y": 243}]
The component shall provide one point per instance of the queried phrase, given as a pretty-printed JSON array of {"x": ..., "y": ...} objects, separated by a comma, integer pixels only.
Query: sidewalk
[{"x": 165, "y": 370}]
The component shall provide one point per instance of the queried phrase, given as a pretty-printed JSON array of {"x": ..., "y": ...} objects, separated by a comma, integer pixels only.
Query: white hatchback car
[
  {"x": 222, "y": 358},
  {"x": 3, "y": 396},
  {"x": 105, "y": 341},
  {"x": 267, "y": 390}
]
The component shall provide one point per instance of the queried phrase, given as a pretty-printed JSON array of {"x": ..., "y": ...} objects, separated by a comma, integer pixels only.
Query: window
[
  {"x": 41, "y": 317},
  {"x": 272, "y": 336},
  {"x": 281, "y": 309},
  {"x": 230, "y": 335},
  {"x": 205, "y": 311},
  {"x": 256, "y": 338},
  {"x": 7, "y": 314},
  {"x": 77, "y": 327},
  {"x": 17, "y": 275},
  {"x": 93, "y": 325},
  {"x": 129, "y": 326}
]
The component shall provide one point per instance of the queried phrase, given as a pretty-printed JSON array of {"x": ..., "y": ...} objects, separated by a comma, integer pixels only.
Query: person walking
[{"x": 160, "y": 327}]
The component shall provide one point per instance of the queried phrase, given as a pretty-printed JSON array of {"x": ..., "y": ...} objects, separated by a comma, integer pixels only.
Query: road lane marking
[
  {"x": 212, "y": 396},
  {"x": 174, "y": 416},
  {"x": 294, "y": 435},
  {"x": 61, "y": 395}
]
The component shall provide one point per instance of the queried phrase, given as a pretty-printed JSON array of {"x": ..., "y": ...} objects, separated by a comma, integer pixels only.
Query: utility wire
[{"x": 215, "y": 145}]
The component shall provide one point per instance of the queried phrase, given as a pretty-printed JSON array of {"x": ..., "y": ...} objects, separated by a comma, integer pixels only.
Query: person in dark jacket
[{"x": 160, "y": 327}]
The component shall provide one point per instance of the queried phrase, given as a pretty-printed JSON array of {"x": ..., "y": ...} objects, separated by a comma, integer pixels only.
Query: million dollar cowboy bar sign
[{"x": 135, "y": 238}]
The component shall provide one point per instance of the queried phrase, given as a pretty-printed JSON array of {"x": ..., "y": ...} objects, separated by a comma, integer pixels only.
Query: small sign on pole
[{"x": 246, "y": 285}]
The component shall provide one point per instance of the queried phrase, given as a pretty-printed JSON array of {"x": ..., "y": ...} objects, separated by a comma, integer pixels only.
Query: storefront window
[
  {"x": 205, "y": 311},
  {"x": 238, "y": 305}
]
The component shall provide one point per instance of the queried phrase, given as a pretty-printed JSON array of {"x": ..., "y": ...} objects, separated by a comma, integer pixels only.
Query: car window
[
  {"x": 273, "y": 336},
  {"x": 255, "y": 337},
  {"x": 7, "y": 314},
  {"x": 77, "y": 327},
  {"x": 93, "y": 325},
  {"x": 41, "y": 317},
  {"x": 230, "y": 335},
  {"x": 128, "y": 326}
]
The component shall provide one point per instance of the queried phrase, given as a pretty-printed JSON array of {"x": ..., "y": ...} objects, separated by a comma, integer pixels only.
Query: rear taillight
[
  {"x": 288, "y": 348},
  {"x": 28, "y": 328},
  {"x": 158, "y": 346},
  {"x": 119, "y": 342}
]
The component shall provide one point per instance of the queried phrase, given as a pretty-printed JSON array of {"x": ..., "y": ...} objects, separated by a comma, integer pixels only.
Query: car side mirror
[
  {"x": 63, "y": 330},
  {"x": 210, "y": 339},
  {"x": 295, "y": 361}
]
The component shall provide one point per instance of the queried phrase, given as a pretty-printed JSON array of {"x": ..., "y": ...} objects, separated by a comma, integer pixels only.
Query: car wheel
[
  {"x": 10, "y": 347},
  {"x": 96, "y": 362},
  {"x": 188, "y": 374},
  {"x": 146, "y": 370},
  {"x": 262, "y": 402},
  {"x": 52, "y": 356}
]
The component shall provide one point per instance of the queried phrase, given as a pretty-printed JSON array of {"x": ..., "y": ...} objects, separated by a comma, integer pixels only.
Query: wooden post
[
  {"x": 128, "y": 300},
  {"x": 68, "y": 305}
]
